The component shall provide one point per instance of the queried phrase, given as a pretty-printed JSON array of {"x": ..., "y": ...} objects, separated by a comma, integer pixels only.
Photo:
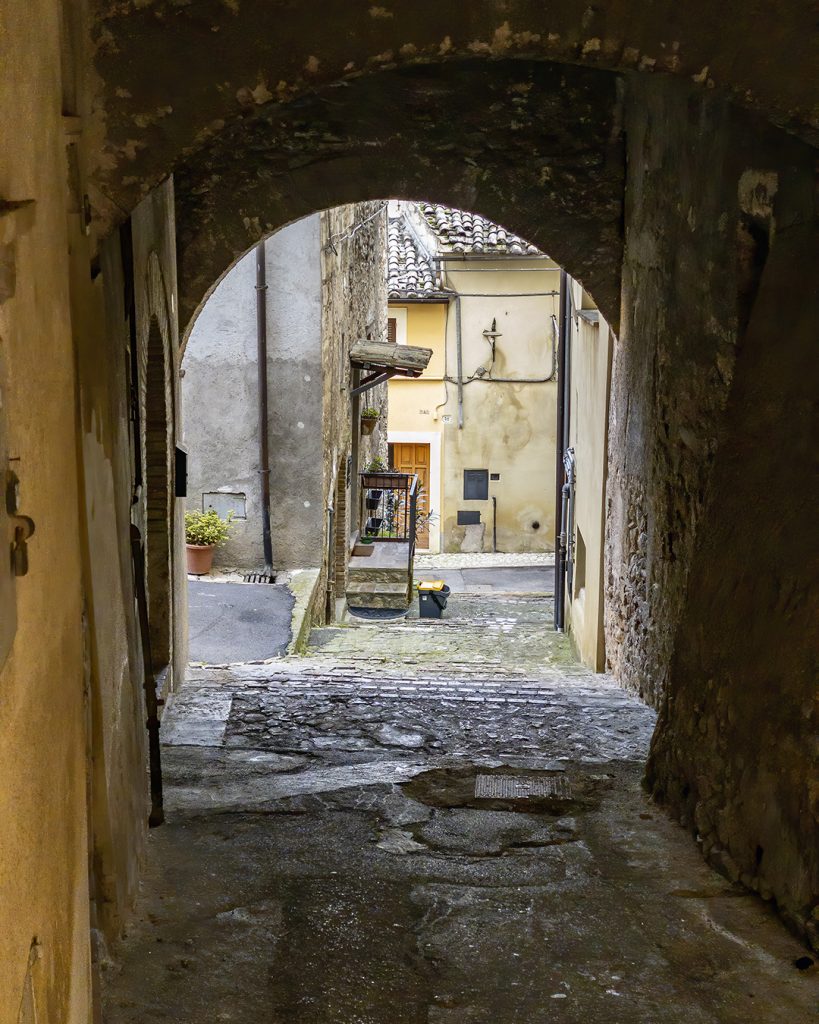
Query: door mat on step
[{"x": 377, "y": 614}]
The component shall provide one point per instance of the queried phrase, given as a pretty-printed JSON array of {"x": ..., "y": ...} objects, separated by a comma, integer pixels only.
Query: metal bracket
[{"x": 373, "y": 380}]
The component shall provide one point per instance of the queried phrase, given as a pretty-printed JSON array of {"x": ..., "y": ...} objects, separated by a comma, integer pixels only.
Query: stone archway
[{"x": 641, "y": 184}]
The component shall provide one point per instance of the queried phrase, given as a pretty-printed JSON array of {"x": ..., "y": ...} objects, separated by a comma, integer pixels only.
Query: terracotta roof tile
[
  {"x": 411, "y": 270},
  {"x": 460, "y": 232}
]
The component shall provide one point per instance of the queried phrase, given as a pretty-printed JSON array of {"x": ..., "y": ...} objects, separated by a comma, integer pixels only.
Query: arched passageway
[
  {"x": 665, "y": 157},
  {"x": 663, "y": 199}
]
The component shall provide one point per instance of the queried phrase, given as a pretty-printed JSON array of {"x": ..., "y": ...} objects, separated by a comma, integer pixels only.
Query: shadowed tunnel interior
[{"x": 664, "y": 157}]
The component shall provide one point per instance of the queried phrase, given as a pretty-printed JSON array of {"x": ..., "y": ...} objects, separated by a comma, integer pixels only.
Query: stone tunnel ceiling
[
  {"x": 536, "y": 147},
  {"x": 239, "y": 96},
  {"x": 172, "y": 72}
]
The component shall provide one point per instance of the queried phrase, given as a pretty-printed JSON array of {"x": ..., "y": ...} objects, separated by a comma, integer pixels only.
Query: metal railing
[
  {"x": 413, "y": 503},
  {"x": 388, "y": 510}
]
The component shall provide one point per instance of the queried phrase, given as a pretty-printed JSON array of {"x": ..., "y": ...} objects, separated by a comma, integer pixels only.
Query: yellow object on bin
[{"x": 431, "y": 585}]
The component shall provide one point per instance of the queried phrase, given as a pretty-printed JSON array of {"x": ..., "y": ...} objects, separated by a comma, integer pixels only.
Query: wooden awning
[{"x": 385, "y": 359}]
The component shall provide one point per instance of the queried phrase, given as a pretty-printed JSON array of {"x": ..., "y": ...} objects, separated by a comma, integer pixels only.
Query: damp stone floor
[{"x": 428, "y": 822}]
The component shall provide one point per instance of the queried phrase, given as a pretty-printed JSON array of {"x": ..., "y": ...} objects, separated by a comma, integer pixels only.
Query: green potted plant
[
  {"x": 370, "y": 477},
  {"x": 363, "y": 547},
  {"x": 369, "y": 418},
  {"x": 204, "y": 532}
]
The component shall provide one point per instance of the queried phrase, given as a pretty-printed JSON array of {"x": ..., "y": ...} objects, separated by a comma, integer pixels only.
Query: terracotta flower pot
[
  {"x": 368, "y": 424},
  {"x": 200, "y": 558}
]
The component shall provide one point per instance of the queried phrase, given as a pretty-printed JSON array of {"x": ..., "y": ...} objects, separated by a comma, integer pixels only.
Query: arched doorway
[{"x": 158, "y": 502}]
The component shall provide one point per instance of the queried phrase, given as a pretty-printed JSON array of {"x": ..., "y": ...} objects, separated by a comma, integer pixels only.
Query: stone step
[
  {"x": 377, "y": 595},
  {"x": 378, "y": 587},
  {"x": 392, "y": 602},
  {"x": 359, "y": 574}
]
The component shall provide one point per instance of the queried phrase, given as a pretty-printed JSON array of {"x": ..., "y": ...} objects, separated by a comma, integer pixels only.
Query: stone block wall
[
  {"x": 709, "y": 546},
  {"x": 673, "y": 365},
  {"x": 354, "y": 253}
]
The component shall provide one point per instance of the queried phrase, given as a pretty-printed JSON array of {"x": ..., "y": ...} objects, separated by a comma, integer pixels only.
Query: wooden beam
[{"x": 384, "y": 355}]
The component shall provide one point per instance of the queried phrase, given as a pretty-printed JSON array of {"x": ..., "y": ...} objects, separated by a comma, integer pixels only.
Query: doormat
[
  {"x": 377, "y": 614},
  {"x": 521, "y": 787}
]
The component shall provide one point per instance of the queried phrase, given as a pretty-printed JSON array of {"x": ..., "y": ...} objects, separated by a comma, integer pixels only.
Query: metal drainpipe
[
  {"x": 261, "y": 364},
  {"x": 568, "y": 527},
  {"x": 494, "y": 523},
  {"x": 330, "y": 589},
  {"x": 562, "y": 416},
  {"x": 460, "y": 361}
]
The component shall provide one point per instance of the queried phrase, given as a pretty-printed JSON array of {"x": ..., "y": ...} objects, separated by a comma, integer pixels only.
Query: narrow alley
[{"x": 433, "y": 821}]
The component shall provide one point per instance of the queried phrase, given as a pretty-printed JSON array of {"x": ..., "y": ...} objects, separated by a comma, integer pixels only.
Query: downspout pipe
[
  {"x": 560, "y": 435},
  {"x": 261, "y": 364},
  {"x": 330, "y": 591},
  {"x": 460, "y": 362}
]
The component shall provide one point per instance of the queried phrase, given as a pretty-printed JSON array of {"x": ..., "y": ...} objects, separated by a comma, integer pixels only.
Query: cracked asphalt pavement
[{"x": 326, "y": 859}]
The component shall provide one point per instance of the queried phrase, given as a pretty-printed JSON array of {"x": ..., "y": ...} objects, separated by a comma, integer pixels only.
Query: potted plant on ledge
[
  {"x": 369, "y": 418},
  {"x": 204, "y": 532}
]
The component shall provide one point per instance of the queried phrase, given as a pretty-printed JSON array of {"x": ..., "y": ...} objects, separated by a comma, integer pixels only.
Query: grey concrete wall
[
  {"x": 220, "y": 400},
  {"x": 296, "y": 388}
]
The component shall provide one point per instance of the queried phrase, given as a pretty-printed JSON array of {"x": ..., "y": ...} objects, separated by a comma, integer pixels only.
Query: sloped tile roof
[
  {"x": 460, "y": 232},
  {"x": 410, "y": 270}
]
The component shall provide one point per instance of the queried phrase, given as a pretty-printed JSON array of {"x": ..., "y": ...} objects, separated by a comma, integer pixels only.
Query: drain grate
[
  {"x": 520, "y": 787},
  {"x": 268, "y": 576}
]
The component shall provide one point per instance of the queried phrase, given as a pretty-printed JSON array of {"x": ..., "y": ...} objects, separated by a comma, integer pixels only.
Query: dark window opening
[
  {"x": 469, "y": 518},
  {"x": 476, "y": 484}
]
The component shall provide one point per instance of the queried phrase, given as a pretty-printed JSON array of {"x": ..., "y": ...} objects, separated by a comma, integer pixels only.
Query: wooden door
[{"x": 414, "y": 458}]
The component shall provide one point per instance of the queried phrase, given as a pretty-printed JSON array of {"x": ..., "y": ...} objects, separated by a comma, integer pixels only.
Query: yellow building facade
[{"x": 483, "y": 414}]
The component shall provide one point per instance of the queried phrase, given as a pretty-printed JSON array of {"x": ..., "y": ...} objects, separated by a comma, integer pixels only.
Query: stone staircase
[{"x": 380, "y": 580}]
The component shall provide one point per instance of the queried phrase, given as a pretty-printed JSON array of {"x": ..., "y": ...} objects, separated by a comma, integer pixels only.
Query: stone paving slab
[
  {"x": 519, "y": 579},
  {"x": 326, "y": 859}
]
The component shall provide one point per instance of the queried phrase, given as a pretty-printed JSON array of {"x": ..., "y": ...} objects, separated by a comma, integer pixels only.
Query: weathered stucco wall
[
  {"x": 220, "y": 394},
  {"x": 696, "y": 578},
  {"x": 220, "y": 407},
  {"x": 44, "y": 910},
  {"x": 591, "y": 351},
  {"x": 509, "y": 428}
]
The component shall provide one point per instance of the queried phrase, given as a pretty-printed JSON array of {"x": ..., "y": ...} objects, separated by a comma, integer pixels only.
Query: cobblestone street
[{"x": 437, "y": 822}]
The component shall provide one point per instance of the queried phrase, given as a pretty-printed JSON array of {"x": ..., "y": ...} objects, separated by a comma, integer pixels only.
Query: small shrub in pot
[{"x": 204, "y": 532}]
